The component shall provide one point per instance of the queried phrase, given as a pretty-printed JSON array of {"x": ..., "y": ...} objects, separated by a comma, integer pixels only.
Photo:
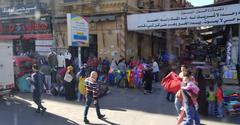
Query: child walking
[
  {"x": 219, "y": 95},
  {"x": 211, "y": 101}
]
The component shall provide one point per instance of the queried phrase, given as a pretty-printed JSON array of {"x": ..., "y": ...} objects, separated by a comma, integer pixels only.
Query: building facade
[
  {"x": 109, "y": 37},
  {"x": 108, "y": 26}
]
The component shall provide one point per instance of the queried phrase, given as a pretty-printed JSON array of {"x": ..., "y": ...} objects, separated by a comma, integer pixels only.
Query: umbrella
[{"x": 171, "y": 82}]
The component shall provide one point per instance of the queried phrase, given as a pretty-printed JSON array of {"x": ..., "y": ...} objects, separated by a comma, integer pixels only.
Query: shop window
[
  {"x": 23, "y": 47},
  {"x": 151, "y": 5},
  {"x": 92, "y": 50},
  {"x": 20, "y": 1}
]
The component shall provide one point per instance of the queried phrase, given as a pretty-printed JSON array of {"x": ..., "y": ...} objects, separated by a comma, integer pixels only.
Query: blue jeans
[
  {"x": 80, "y": 97},
  {"x": 37, "y": 99},
  {"x": 191, "y": 116},
  {"x": 178, "y": 105},
  {"x": 155, "y": 76},
  {"x": 211, "y": 108},
  {"x": 220, "y": 108},
  {"x": 89, "y": 100}
]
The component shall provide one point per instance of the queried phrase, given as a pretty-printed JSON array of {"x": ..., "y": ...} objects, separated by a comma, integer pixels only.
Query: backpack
[{"x": 211, "y": 96}]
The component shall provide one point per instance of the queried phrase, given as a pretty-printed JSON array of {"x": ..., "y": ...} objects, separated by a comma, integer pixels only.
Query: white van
[{"x": 6, "y": 67}]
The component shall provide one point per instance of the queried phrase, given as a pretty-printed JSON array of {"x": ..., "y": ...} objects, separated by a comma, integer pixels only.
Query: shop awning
[
  {"x": 9, "y": 37},
  {"x": 27, "y": 36}
]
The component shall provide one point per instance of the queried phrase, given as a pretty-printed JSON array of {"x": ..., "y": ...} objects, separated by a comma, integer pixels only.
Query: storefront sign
[
  {"x": 209, "y": 16},
  {"x": 78, "y": 31},
  {"x": 21, "y": 10},
  {"x": 24, "y": 26},
  {"x": 43, "y": 47}
]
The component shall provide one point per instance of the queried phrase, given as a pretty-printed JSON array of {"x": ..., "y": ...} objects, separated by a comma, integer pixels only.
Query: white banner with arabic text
[{"x": 209, "y": 16}]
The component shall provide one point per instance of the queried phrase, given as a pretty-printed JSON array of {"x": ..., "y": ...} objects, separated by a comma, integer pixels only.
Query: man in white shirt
[{"x": 155, "y": 71}]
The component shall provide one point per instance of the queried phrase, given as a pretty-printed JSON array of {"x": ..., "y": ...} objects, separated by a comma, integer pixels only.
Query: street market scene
[{"x": 120, "y": 62}]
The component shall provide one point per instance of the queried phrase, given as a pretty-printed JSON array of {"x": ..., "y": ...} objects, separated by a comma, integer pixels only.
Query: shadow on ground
[
  {"x": 19, "y": 112},
  {"x": 125, "y": 99}
]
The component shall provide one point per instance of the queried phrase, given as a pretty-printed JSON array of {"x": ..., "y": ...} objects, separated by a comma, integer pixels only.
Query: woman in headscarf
[{"x": 70, "y": 93}]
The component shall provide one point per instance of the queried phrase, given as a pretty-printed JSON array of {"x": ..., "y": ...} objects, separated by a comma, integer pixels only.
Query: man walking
[
  {"x": 92, "y": 89},
  {"x": 38, "y": 81}
]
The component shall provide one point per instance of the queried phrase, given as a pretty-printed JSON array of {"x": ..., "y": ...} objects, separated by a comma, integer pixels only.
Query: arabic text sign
[
  {"x": 220, "y": 15},
  {"x": 78, "y": 31}
]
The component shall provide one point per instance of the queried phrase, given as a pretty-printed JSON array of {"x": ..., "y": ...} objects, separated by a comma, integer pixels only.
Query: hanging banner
[
  {"x": 209, "y": 16},
  {"x": 43, "y": 47},
  {"x": 78, "y": 31}
]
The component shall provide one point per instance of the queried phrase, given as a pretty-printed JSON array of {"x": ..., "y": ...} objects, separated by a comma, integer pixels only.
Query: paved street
[{"x": 121, "y": 106}]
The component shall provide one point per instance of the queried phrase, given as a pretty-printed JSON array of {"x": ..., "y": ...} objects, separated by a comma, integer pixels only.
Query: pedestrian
[
  {"x": 46, "y": 70},
  {"x": 155, "y": 71},
  {"x": 80, "y": 78},
  {"x": 123, "y": 69},
  {"x": 189, "y": 93},
  {"x": 148, "y": 80},
  {"x": 178, "y": 95},
  {"x": 219, "y": 96},
  {"x": 69, "y": 84},
  {"x": 92, "y": 93},
  {"x": 211, "y": 101},
  {"x": 38, "y": 81}
]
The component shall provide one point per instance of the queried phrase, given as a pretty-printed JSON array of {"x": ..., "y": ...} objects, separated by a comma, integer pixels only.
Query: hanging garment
[
  {"x": 52, "y": 59},
  {"x": 61, "y": 61},
  {"x": 234, "y": 51}
]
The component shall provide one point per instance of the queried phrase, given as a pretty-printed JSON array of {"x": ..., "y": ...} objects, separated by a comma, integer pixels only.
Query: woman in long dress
[{"x": 70, "y": 85}]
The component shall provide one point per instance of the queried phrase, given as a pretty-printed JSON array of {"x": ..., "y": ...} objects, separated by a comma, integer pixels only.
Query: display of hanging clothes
[
  {"x": 68, "y": 57},
  {"x": 229, "y": 48},
  {"x": 234, "y": 50},
  {"x": 61, "y": 61}
]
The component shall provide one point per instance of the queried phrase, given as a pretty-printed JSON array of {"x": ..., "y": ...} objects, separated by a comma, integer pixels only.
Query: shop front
[
  {"x": 26, "y": 34},
  {"x": 213, "y": 55}
]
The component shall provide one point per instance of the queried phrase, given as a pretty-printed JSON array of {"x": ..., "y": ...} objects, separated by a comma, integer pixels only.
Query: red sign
[{"x": 34, "y": 27}]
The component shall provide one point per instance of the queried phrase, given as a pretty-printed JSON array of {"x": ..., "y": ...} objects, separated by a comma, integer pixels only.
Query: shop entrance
[{"x": 23, "y": 47}]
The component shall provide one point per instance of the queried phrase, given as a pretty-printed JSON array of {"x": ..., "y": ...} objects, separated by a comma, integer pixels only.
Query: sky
[{"x": 200, "y": 2}]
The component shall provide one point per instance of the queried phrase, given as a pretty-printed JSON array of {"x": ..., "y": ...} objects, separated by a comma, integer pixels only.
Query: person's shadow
[{"x": 109, "y": 122}]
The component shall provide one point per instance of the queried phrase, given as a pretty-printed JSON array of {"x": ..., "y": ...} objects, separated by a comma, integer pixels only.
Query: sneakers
[
  {"x": 44, "y": 109},
  {"x": 101, "y": 116},
  {"x": 86, "y": 121}
]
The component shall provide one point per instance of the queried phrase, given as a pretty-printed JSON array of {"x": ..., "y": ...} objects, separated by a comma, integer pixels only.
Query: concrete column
[{"x": 169, "y": 41}]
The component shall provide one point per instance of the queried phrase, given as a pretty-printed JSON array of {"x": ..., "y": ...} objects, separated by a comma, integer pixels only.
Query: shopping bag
[{"x": 68, "y": 77}]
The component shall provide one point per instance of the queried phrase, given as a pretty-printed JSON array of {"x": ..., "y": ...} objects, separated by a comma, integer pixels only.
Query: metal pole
[{"x": 79, "y": 57}]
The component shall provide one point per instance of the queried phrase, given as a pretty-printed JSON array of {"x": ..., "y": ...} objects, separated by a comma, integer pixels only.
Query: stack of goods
[
  {"x": 230, "y": 75},
  {"x": 232, "y": 102}
]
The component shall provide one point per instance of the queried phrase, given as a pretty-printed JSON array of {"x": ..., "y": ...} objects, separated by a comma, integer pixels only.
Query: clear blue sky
[{"x": 200, "y": 2}]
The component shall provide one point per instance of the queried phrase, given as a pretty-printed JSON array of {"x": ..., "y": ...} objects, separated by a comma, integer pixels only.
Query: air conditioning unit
[{"x": 140, "y": 4}]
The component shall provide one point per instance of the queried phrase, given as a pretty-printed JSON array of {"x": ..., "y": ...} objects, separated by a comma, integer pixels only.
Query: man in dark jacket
[{"x": 38, "y": 81}]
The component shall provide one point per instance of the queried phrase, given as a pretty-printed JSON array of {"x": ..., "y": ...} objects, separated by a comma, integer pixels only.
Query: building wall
[
  {"x": 107, "y": 38},
  {"x": 131, "y": 45}
]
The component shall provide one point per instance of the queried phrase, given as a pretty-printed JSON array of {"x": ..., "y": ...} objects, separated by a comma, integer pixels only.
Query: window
[{"x": 19, "y": 1}]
